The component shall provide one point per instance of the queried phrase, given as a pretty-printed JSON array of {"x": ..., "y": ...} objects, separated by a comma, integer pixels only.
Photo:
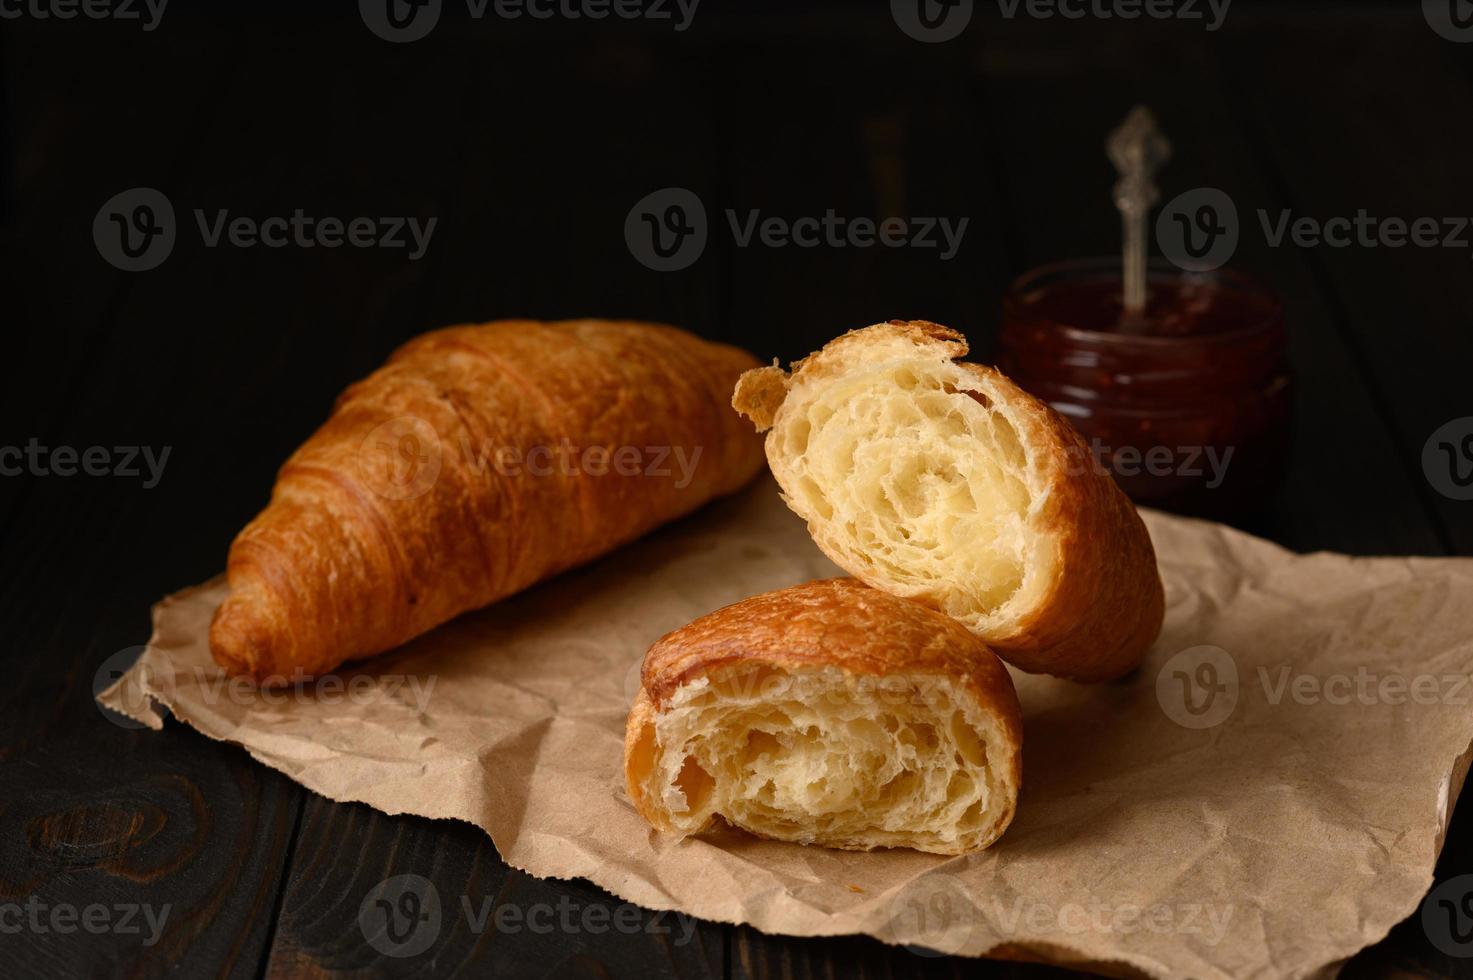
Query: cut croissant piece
[
  {"x": 478, "y": 461},
  {"x": 944, "y": 482},
  {"x": 827, "y": 713}
]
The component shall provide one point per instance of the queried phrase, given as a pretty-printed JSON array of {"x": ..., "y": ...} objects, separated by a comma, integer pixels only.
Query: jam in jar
[{"x": 1186, "y": 402}]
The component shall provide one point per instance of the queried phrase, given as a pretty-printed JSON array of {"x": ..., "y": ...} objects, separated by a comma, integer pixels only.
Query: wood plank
[
  {"x": 97, "y": 814},
  {"x": 1339, "y": 141},
  {"x": 515, "y": 177},
  {"x": 491, "y": 920},
  {"x": 66, "y": 116}
]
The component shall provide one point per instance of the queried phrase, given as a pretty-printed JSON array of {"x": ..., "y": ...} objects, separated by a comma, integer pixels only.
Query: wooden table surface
[{"x": 529, "y": 142}]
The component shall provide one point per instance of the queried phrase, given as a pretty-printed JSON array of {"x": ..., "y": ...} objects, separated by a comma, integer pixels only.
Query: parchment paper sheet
[{"x": 1295, "y": 825}]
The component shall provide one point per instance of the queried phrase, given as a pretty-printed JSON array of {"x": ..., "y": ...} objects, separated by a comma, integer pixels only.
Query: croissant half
[
  {"x": 827, "y": 713},
  {"x": 477, "y": 461},
  {"x": 944, "y": 482}
]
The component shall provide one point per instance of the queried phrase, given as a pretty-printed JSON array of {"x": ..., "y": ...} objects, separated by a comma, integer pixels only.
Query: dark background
[{"x": 530, "y": 142}]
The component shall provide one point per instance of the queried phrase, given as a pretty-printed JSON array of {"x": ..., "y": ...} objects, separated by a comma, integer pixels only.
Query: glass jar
[{"x": 1187, "y": 404}]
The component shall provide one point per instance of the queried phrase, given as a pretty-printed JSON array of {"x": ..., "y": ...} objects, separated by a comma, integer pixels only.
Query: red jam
[{"x": 1186, "y": 402}]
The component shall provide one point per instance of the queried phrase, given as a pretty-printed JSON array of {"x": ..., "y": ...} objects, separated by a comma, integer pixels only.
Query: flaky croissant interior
[
  {"x": 905, "y": 466},
  {"x": 822, "y": 756}
]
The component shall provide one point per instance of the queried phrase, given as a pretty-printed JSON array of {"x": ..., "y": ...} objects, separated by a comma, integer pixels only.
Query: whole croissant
[{"x": 477, "y": 461}]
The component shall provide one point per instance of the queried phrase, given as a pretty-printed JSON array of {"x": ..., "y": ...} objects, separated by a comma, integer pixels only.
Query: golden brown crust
[
  {"x": 839, "y": 623},
  {"x": 477, "y": 461},
  {"x": 1100, "y": 603},
  {"x": 1104, "y": 604}
]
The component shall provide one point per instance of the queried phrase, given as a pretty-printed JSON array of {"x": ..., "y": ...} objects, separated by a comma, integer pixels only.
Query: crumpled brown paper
[{"x": 1265, "y": 797}]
